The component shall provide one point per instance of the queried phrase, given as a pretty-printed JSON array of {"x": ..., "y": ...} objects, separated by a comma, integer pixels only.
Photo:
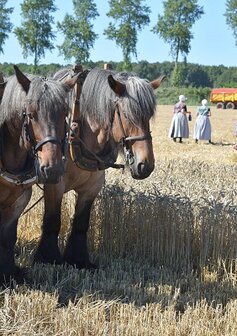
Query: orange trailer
[{"x": 224, "y": 98}]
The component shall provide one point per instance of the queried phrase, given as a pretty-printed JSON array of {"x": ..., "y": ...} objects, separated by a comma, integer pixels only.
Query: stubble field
[{"x": 166, "y": 249}]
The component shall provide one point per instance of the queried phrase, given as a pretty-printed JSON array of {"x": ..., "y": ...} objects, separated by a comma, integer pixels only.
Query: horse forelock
[
  {"x": 139, "y": 100},
  {"x": 98, "y": 100},
  {"x": 48, "y": 95},
  {"x": 12, "y": 102}
]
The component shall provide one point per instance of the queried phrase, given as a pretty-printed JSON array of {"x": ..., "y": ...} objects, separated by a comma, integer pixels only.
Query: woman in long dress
[
  {"x": 179, "y": 124},
  {"x": 202, "y": 127}
]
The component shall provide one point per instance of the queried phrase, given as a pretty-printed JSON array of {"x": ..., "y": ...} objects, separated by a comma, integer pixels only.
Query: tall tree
[
  {"x": 231, "y": 16},
  {"x": 174, "y": 27},
  {"x": 5, "y": 24},
  {"x": 129, "y": 18},
  {"x": 78, "y": 31},
  {"x": 35, "y": 34}
]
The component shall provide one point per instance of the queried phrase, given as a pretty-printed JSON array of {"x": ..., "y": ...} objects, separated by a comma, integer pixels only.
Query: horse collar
[{"x": 20, "y": 179}]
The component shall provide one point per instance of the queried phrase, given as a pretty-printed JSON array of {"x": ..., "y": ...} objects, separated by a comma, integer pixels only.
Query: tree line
[
  {"x": 193, "y": 75},
  {"x": 127, "y": 18}
]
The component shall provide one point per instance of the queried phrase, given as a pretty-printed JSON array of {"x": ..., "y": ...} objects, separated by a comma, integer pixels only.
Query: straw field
[{"x": 166, "y": 248}]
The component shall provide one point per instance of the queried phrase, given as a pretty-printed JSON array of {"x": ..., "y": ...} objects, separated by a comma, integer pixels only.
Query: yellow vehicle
[{"x": 224, "y": 98}]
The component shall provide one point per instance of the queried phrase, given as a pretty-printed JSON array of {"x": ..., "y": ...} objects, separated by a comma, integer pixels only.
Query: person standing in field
[
  {"x": 202, "y": 127},
  {"x": 179, "y": 125}
]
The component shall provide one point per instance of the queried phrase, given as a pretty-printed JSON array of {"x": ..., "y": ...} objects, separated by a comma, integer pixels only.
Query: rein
[{"x": 35, "y": 203}]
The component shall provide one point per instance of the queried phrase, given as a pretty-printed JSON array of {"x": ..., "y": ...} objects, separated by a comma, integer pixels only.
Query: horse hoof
[
  {"x": 91, "y": 266},
  {"x": 52, "y": 260},
  {"x": 84, "y": 265}
]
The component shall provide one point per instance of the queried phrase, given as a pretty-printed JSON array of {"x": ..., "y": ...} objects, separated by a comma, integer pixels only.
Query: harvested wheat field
[{"x": 166, "y": 248}]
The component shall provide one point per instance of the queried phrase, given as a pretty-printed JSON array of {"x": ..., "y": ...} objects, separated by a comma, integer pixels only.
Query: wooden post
[{"x": 107, "y": 66}]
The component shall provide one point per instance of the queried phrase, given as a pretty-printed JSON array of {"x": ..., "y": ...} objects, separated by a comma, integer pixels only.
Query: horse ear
[
  {"x": 22, "y": 79},
  {"x": 118, "y": 87},
  {"x": 72, "y": 81},
  {"x": 156, "y": 83}
]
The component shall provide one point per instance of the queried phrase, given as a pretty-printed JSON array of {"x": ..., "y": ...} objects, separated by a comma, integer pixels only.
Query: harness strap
[
  {"x": 96, "y": 163},
  {"x": 45, "y": 140},
  {"x": 24, "y": 179},
  {"x": 139, "y": 138},
  {"x": 87, "y": 163}
]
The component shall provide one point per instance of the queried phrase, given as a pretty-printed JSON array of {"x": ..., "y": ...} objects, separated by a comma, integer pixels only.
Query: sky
[{"x": 213, "y": 42}]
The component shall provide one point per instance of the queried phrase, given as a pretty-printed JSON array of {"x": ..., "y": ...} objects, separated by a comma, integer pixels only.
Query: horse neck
[{"x": 13, "y": 153}]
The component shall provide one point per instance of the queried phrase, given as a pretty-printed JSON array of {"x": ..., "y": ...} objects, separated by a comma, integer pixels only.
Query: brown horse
[
  {"x": 32, "y": 142},
  {"x": 115, "y": 109}
]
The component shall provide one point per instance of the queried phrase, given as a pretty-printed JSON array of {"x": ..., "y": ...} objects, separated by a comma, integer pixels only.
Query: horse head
[
  {"x": 135, "y": 105},
  {"x": 44, "y": 128}
]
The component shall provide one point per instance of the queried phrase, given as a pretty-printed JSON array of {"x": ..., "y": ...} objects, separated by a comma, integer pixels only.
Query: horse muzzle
[
  {"x": 50, "y": 160},
  {"x": 49, "y": 174},
  {"x": 141, "y": 170},
  {"x": 49, "y": 164}
]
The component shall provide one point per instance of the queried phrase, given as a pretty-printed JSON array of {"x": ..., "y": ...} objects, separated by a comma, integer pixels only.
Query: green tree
[
  {"x": 5, "y": 24},
  {"x": 35, "y": 34},
  {"x": 78, "y": 31},
  {"x": 174, "y": 27},
  {"x": 129, "y": 18},
  {"x": 231, "y": 16}
]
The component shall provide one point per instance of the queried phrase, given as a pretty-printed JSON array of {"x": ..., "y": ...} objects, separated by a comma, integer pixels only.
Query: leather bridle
[
  {"x": 29, "y": 176},
  {"x": 126, "y": 140},
  {"x": 95, "y": 162},
  {"x": 101, "y": 163},
  {"x": 36, "y": 146}
]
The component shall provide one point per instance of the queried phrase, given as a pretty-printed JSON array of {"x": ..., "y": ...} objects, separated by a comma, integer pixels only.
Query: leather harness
[{"x": 75, "y": 143}]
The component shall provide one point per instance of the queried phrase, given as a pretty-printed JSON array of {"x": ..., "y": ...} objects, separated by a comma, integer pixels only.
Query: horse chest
[{"x": 8, "y": 194}]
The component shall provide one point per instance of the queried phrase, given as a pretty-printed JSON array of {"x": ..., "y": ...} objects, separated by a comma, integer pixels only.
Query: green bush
[{"x": 169, "y": 96}]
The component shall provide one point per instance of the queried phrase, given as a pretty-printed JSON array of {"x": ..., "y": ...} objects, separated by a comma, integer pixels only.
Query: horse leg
[
  {"x": 8, "y": 235},
  {"x": 48, "y": 249},
  {"x": 76, "y": 251}
]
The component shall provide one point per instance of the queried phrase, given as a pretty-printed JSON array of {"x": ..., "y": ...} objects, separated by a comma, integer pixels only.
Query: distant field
[
  {"x": 223, "y": 134},
  {"x": 166, "y": 247}
]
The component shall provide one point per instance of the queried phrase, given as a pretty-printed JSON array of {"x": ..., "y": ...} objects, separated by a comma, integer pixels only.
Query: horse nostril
[
  {"x": 50, "y": 174},
  {"x": 42, "y": 169},
  {"x": 142, "y": 168},
  {"x": 45, "y": 171}
]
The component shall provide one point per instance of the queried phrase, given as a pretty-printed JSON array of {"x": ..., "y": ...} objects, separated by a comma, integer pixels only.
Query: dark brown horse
[
  {"x": 32, "y": 142},
  {"x": 115, "y": 109}
]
